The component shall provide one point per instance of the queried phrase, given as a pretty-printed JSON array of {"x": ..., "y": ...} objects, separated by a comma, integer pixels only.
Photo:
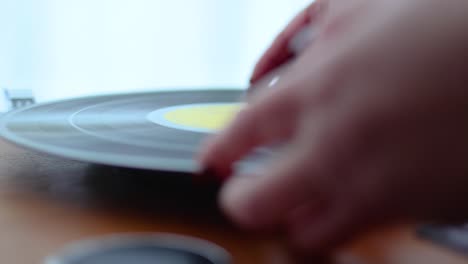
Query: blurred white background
[{"x": 68, "y": 48}]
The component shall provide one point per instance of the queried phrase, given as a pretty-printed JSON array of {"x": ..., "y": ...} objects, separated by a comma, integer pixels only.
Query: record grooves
[{"x": 115, "y": 129}]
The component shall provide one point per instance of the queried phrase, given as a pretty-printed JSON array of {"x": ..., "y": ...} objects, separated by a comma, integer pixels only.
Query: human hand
[{"x": 374, "y": 114}]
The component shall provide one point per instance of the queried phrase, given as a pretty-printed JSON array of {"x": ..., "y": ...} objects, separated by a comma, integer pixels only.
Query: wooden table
[{"x": 47, "y": 202}]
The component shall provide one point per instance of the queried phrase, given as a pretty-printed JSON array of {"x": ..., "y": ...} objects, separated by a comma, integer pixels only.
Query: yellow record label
[{"x": 196, "y": 117}]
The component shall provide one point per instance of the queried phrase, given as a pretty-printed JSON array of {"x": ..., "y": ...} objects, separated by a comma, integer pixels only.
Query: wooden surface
[{"x": 46, "y": 203}]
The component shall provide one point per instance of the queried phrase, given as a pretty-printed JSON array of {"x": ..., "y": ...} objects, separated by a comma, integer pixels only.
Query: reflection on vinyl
[{"x": 157, "y": 130}]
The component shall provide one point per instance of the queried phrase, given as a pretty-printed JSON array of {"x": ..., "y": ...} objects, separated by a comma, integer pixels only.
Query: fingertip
[{"x": 237, "y": 203}]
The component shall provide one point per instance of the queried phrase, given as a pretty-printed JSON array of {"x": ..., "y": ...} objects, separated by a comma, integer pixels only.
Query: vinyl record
[{"x": 155, "y": 130}]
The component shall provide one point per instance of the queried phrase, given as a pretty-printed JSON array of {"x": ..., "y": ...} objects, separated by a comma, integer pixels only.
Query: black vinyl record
[{"x": 119, "y": 130}]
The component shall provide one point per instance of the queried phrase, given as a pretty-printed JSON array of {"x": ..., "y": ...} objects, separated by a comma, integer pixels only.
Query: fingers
[
  {"x": 304, "y": 190},
  {"x": 270, "y": 119},
  {"x": 261, "y": 200},
  {"x": 279, "y": 52}
]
